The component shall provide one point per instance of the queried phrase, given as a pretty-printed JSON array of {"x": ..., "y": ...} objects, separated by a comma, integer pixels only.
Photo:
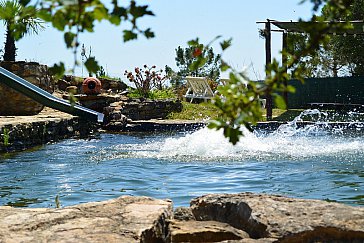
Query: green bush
[{"x": 153, "y": 94}]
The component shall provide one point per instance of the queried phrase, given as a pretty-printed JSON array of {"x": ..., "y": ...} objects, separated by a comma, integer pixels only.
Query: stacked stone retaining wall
[
  {"x": 22, "y": 133},
  {"x": 15, "y": 103},
  {"x": 137, "y": 109}
]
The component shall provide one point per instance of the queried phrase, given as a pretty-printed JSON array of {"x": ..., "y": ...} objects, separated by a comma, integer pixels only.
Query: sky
[{"x": 174, "y": 24}]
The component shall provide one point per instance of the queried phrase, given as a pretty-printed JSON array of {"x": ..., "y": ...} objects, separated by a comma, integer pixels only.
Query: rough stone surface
[
  {"x": 204, "y": 231},
  {"x": 22, "y": 132},
  {"x": 107, "y": 85},
  {"x": 183, "y": 214},
  {"x": 121, "y": 113},
  {"x": 94, "y": 102},
  {"x": 146, "y": 109},
  {"x": 250, "y": 240},
  {"x": 125, "y": 219},
  {"x": 15, "y": 103},
  {"x": 287, "y": 219}
]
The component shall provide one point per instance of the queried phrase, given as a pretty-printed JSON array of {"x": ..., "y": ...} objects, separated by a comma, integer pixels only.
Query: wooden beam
[
  {"x": 268, "y": 60},
  {"x": 284, "y": 65}
]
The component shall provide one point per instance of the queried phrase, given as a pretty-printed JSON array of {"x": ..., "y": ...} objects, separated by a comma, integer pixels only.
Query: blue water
[{"x": 306, "y": 163}]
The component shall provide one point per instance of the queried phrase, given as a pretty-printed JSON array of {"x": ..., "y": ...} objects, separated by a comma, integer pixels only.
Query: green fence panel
[{"x": 343, "y": 90}]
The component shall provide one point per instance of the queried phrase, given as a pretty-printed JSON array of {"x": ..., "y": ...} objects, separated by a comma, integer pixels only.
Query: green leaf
[
  {"x": 129, "y": 35},
  {"x": 198, "y": 63},
  {"x": 280, "y": 103},
  {"x": 69, "y": 38},
  {"x": 92, "y": 65},
  {"x": 115, "y": 20},
  {"x": 224, "y": 66},
  {"x": 193, "y": 42},
  {"x": 57, "y": 70},
  {"x": 119, "y": 12},
  {"x": 214, "y": 124},
  {"x": 226, "y": 44},
  {"x": 233, "y": 134},
  {"x": 100, "y": 13},
  {"x": 45, "y": 15},
  {"x": 291, "y": 89},
  {"x": 148, "y": 33},
  {"x": 139, "y": 11},
  {"x": 24, "y": 2},
  {"x": 59, "y": 21}
]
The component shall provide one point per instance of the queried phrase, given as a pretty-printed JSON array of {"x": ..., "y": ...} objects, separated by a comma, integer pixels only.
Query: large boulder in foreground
[
  {"x": 204, "y": 231},
  {"x": 125, "y": 219},
  {"x": 286, "y": 219}
]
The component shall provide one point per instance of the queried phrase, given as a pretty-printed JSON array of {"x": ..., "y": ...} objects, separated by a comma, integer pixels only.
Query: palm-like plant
[{"x": 19, "y": 21}]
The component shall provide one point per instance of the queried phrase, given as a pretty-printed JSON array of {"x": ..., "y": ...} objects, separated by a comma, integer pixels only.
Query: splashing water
[{"x": 289, "y": 141}]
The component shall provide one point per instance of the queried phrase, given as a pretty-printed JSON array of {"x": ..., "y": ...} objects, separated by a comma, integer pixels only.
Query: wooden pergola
[{"x": 286, "y": 27}]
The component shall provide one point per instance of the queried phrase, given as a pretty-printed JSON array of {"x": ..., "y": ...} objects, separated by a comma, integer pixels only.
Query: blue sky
[{"x": 175, "y": 23}]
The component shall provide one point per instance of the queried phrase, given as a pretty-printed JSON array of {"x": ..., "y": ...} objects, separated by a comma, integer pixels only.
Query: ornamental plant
[{"x": 146, "y": 79}]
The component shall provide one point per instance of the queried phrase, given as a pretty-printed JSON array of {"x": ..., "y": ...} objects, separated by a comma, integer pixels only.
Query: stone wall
[
  {"x": 15, "y": 103},
  {"x": 118, "y": 114},
  {"x": 146, "y": 109},
  {"x": 16, "y": 137}
]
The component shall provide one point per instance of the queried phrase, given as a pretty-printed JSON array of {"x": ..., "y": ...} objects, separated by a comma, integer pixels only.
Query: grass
[
  {"x": 283, "y": 115},
  {"x": 207, "y": 111},
  {"x": 191, "y": 111}
]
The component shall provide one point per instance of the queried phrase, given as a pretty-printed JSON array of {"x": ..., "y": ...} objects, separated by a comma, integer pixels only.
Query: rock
[
  {"x": 204, "y": 231},
  {"x": 62, "y": 84},
  {"x": 15, "y": 103},
  {"x": 146, "y": 109},
  {"x": 72, "y": 89},
  {"x": 287, "y": 219},
  {"x": 125, "y": 219},
  {"x": 183, "y": 214},
  {"x": 250, "y": 240}
]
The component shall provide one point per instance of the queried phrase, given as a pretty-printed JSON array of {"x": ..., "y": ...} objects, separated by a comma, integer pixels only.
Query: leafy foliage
[
  {"x": 76, "y": 17},
  {"x": 239, "y": 101},
  {"x": 165, "y": 93},
  {"x": 348, "y": 49},
  {"x": 340, "y": 55}
]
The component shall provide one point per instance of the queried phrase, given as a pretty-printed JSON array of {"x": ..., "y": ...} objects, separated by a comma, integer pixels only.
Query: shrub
[
  {"x": 146, "y": 79},
  {"x": 153, "y": 94}
]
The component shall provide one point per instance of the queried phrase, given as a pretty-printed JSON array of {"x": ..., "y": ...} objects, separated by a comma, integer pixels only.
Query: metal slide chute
[{"x": 32, "y": 91}]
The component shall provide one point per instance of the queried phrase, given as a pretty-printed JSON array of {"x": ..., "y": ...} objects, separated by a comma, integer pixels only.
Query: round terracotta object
[{"x": 91, "y": 85}]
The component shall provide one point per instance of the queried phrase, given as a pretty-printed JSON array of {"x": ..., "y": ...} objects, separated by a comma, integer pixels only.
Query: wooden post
[
  {"x": 284, "y": 64},
  {"x": 268, "y": 57}
]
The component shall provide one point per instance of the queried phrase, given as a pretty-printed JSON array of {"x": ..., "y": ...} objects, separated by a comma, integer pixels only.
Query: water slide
[{"x": 21, "y": 85}]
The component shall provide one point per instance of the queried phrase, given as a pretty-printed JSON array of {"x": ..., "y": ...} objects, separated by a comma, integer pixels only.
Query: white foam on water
[
  {"x": 288, "y": 142},
  {"x": 208, "y": 144}
]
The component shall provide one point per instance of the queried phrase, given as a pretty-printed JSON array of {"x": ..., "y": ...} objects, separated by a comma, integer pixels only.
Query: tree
[
  {"x": 19, "y": 21},
  {"x": 324, "y": 62},
  {"x": 185, "y": 57},
  {"x": 349, "y": 48},
  {"x": 341, "y": 55}
]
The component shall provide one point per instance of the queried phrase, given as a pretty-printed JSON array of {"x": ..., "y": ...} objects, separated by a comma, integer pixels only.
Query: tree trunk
[{"x": 10, "y": 49}]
